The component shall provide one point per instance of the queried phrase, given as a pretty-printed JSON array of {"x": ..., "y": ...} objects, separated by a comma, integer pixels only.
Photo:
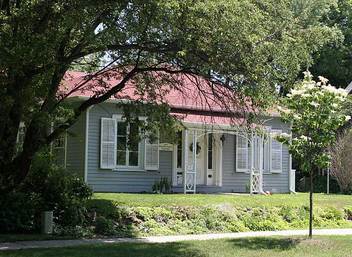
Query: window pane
[
  {"x": 121, "y": 128},
  {"x": 133, "y": 158},
  {"x": 179, "y": 149},
  {"x": 121, "y": 143},
  {"x": 60, "y": 141},
  {"x": 210, "y": 151},
  {"x": 133, "y": 137},
  {"x": 121, "y": 158}
]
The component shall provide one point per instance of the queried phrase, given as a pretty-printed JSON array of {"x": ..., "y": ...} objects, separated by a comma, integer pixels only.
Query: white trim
[
  {"x": 101, "y": 144},
  {"x": 86, "y": 146},
  {"x": 275, "y": 131},
  {"x": 247, "y": 154},
  {"x": 185, "y": 158},
  {"x": 156, "y": 146},
  {"x": 219, "y": 162},
  {"x": 119, "y": 118}
]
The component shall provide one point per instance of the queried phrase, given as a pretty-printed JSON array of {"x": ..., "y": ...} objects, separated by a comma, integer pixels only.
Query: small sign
[{"x": 166, "y": 147}]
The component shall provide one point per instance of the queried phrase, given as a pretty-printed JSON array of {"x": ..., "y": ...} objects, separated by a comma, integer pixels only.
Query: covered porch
[{"x": 198, "y": 158}]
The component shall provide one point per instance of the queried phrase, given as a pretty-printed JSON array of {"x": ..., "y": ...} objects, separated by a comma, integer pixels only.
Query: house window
[
  {"x": 179, "y": 150},
  {"x": 276, "y": 152},
  {"x": 127, "y": 152},
  {"x": 59, "y": 142},
  {"x": 210, "y": 151},
  {"x": 59, "y": 150},
  {"x": 242, "y": 154}
]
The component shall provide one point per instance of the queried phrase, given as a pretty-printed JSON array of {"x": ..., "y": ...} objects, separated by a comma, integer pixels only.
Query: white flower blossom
[
  {"x": 285, "y": 135},
  {"x": 342, "y": 92},
  {"x": 315, "y": 104},
  {"x": 305, "y": 138},
  {"x": 335, "y": 105},
  {"x": 296, "y": 116},
  {"x": 347, "y": 118},
  {"x": 308, "y": 86},
  {"x": 323, "y": 80},
  {"x": 307, "y": 74},
  {"x": 297, "y": 92}
]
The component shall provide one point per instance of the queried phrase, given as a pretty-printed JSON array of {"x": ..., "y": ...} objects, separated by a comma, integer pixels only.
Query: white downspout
[
  {"x": 185, "y": 159},
  {"x": 86, "y": 146},
  {"x": 194, "y": 160}
]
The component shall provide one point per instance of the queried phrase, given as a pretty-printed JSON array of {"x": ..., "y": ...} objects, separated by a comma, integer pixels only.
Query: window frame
[
  {"x": 210, "y": 142},
  {"x": 127, "y": 166},
  {"x": 247, "y": 148},
  {"x": 179, "y": 142},
  {"x": 273, "y": 132}
]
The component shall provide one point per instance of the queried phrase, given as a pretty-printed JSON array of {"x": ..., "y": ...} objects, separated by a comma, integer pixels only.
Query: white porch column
[
  {"x": 185, "y": 159},
  {"x": 194, "y": 159},
  {"x": 251, "y": 171},
  {"x": 292, "y": 176},
  {"x": 219, "y": 165},
  {"x": 261, "y": 162}
]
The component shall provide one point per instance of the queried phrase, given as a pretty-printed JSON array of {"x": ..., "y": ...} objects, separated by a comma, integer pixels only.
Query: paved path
[{"x": 165, "y": 239}]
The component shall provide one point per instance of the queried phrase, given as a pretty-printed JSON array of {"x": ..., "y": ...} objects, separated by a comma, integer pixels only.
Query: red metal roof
[{"x": 192, "y": 99}]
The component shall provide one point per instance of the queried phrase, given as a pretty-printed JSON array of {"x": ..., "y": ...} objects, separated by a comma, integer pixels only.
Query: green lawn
[
  {"x": 30, "y": 237},
  {"x": 240, "y": 200},
  {"x": 253, "y": 247}
]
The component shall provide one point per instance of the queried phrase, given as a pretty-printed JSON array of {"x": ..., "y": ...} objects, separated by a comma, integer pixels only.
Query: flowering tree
[{"x": 315, "y": 110}]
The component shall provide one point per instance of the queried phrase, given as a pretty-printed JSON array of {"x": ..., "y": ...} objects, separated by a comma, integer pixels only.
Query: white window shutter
[
  {"x": 151, "y": 154},
  {"x": 108, "y": 143},
  {"x": 266, "y": 151},
  {"x": 276, "y": 152},
  {"x": 242, "y": 156}
]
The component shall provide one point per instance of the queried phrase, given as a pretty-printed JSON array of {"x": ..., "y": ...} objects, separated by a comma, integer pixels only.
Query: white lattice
[
  {"x": 190, "y": 181},
  {"x": 256, "y": 182}
]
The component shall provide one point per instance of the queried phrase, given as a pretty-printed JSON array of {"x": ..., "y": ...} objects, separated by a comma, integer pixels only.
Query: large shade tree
[{"x": 248, "y": 45}]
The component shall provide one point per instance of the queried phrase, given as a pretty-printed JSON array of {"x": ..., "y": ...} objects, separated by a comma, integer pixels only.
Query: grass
[
  {"x": 235, "y": 200},
  {"x": 251, "y": 247},
  {"x": 30, "y": 237}
]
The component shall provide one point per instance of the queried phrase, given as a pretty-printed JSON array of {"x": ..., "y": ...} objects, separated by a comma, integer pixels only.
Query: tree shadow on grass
[
  {"x": 263, "y": 243},
  {"x": 113, "y": 250}
]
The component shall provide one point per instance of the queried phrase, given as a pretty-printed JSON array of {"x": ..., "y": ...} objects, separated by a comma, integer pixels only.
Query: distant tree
[
  {"x": 246, "y": 45},
  {"x": 334, "y": 60},
  {"x": 316, "y": 111},
  {"x": 341, "y": 161}
]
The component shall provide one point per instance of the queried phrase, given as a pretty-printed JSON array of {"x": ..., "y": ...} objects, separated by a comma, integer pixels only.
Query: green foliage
[
  {"x": 348, "y": 212},
  {"x": 334, "y": 60},
  {"x": 62, "y": 191},
  {"x": 316, "y": 111},
  {"x": 162, "y": 186},
  {"x": 104, "y": 226},
  {"x": 17, "y": 213},
  {"x": 166, "y": 220},
  {"x": 319, "y": 185},
  {"x": 72, "y": 231},
  {"x": 48, "y": 187},
  {"x": 249, "y": 46}
]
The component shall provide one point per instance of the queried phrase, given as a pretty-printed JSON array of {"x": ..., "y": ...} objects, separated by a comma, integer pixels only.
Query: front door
[{"x": 200, "y": 157}]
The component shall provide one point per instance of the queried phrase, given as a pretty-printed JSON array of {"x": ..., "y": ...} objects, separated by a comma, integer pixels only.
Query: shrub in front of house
[
  {"x": 172, "y": 220},
  {"x": 48, "y": 187}
]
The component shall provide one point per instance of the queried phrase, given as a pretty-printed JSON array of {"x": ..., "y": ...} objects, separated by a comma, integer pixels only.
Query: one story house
[{"x": 212, "y": 153}]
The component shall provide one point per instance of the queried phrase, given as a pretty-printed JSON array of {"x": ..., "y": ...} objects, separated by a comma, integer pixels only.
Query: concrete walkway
[{"x": 166, "y": 239}]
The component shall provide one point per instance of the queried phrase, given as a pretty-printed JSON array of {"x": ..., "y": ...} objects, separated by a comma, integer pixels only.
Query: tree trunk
[{"x": 311, "y": 205}]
